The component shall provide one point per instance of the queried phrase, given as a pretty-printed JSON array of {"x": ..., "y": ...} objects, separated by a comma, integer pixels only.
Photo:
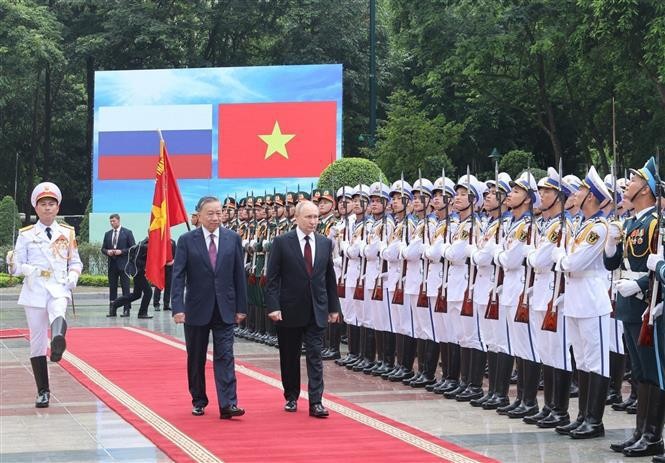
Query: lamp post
[{"x": 495, "y": 155}]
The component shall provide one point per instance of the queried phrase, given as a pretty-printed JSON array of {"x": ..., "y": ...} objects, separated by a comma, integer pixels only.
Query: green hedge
[
  {"x": 350, "y": 172},
  {"x": 101, "y": 281},
  {"x": 7, "y": 281}
]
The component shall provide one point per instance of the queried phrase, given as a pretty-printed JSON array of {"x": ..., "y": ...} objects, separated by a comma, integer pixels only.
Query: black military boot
[
  {"x": 388, "y": 354},
  {"x": 465, "y": 363},
  {"x": 548, "y": 396},
  {"x": 58, "y": 343},
  {"x": 370, "y": 352},
  {"x": 113, "y": 310},
  {"x": 651, "y": 441},
  {"x": 504, "y": 368},
  {"x": 491, "y": 380},
  {"x": 561, "y": 398},
  {"x": 474, "y": 388},
  {"x": 640, "y": 419},
  {"x": 520, "y": 390},
  {"x": 617, "y": 370},
  {"x": 593, "y": 420},
  {"x": 40, "y": 371},
  {"x": 583, "y": 382},
  {"x": 430, "y": 360},
  {"x": 530, "y": 376},
  {"x": 407, "y": 360},
  {"x": 630, "y": 400},
  {"x": 452, "y": 369}
]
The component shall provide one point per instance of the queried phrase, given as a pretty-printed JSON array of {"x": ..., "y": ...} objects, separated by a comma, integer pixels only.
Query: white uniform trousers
[
  {"x": 471, "y": 334},
  {"x": 350, "y": 306},
  {"x": 381, "y": 316},
  {"x": 370, "y": 309},
  {"x": 39, "y": 322},
  {"x": 616, "y": 336},
  {"x": 522, "y": 336},
  {"x": 590, "y": 338},
  {"x": 401, "y": 316},
  {"x": 454, "y": 326},
  {"x": 440, "y": 321},
  {"x": 553, "y": 347},
  {"x": 423, "y": 319}
]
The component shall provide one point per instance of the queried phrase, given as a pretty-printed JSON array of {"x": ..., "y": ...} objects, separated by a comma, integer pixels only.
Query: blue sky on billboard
[{"x": 206, "y": 86}]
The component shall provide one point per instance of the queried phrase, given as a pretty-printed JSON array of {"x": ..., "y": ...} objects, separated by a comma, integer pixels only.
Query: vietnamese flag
[
  {"x": 168, "y": 210},
  {"x": 276, "y": 139}
]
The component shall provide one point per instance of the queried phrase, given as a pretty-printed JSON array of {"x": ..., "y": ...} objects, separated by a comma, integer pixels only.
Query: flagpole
[{"x": 161, "y": 139}]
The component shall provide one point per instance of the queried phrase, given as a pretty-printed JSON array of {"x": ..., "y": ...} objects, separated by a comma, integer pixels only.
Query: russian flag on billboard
[{"x": 129, "y": 141}]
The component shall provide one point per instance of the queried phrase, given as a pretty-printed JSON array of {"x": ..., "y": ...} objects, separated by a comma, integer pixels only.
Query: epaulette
[
  {"x": 66, "y": 225},
  {"x": 26, "y": 228}
]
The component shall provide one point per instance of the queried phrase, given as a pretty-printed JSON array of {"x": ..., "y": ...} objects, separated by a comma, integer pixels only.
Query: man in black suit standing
[
  {"x": 301, "y": 298},
  {"x": 117, "y": 242},
  {"x": 209, "y": 264}
]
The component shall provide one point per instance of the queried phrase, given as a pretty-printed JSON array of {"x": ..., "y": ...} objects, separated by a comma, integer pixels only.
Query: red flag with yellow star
[{"x": 168, "y": 210}]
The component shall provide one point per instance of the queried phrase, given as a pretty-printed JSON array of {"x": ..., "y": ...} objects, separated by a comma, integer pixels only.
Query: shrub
[
  {"x": 93, "y": 280},
  {"x": 9, "y": 218},
  {"x": 7, "y": 281},
  {"x": 350, "y": 172},
  {"x": 94, "y": 262},
  {"x": 84, "y": 229}
]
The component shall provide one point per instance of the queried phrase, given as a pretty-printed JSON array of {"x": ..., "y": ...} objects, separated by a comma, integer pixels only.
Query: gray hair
[
  {"x": 205, "y": 200},
  {"x": 301, "y": 204}
]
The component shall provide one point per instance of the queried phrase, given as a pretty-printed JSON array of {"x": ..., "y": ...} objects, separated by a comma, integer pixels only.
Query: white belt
[
  {"x": 587, "y": 274},
  {"x": 633, "y": 275}
]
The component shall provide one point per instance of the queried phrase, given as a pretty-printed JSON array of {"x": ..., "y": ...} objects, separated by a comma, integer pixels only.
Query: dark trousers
[
  {"x": 114, "y": 274},
  {"x": 168, "y": 270},
  {"x": 290, "y": 344},
  {"x": 642, "y": 358},
  {"x": 196, "y": 340},
  {"x": 141, "y": 291}
]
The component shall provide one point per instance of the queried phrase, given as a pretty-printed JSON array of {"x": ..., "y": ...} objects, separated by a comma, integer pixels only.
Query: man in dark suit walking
[
  {"x": 301, "y": 298},
  {"x": 117, "y": 242},
  {"x": 209, "y": 263}
]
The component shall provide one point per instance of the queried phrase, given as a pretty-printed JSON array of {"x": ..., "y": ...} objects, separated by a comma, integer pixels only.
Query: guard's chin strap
[
  {"x": 584, "y": 200},
  {"x": 636, "y": 193}
]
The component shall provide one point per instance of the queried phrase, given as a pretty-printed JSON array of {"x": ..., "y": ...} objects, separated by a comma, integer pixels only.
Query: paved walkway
[{"x": 78, "y": 427}]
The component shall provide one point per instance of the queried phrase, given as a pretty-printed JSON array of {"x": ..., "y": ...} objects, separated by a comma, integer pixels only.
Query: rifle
[
  {"x": 467, "y": 304},
  {"x": 550, "y": 321},
  {"x": 377, "y": 292},
  {"x": 441, "y": 305},
  {"x": 612, "y": 290},
  {"x": 646, "y": 331},
  {"x": 398, "y": 294},
  {"x": 359, "y": 291},
  {"x": 251, "y": 278},
  {"x": 492, "y": 311},
  {"x": 423, "y": 300},
  {"x": 522, "y": 313},
  {"x": 341, "y": 283}
]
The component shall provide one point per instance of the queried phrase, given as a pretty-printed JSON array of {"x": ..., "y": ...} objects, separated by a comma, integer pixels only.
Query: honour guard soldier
[
  {"x": 400, "y": 196},
  {"x": 443, "y": 192},
  {"x": 290, "y": 209},
  {"x": 326, "y": 204},
  {"x": 631, "y": 246},
  {"x": 47, "y": 257},
  {"x": 587, "y": 307},
  {"x": 354, "y": 275},
  {"x": 551, "y": 343},
  {"x": 515, "y": 292},
  {"x": 492, "y": 325}
]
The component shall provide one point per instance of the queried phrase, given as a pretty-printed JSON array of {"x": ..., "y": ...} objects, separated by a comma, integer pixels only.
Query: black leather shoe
[
  {"x": 621, "y": 407},
  {"x": 416, "y": 377},
  {"x": 330, "y": 355},
  {"x": 496, "y": 402},
  {"x": 434, "y": 385},
  {"x": 318, "y": 411},
  {"x": 554, "y": 420},
  {"x": 613, "y": 398},
  {"x": 632, "y": 408},
  {"x": 534, "y": 419},
  {"x": 401, "y": 375},
  {"x": 156, "y": 308},
  {"x": 448, "y": 385},
  {"x": 198, "y": 411},
  {"x": 383, "y": 370},
  {"x": 588, "y": 431},
  {"x": 291, "y": 406},
  {"x": 470, "y": 393},
  {"x": 125, "y": 313},
  {"x": 481, "y": 400},
  {"x": 227, "y": 413},
  {"x": 112, "y": 311},
  {"x": 145, "y": 316},
  {"x": 42, "y": 399},
  {"x": 646, "y": 446},
  {"x": 461, "y": 387},
  {"x": 568, "y": 428},
  {"x": 658, "y": 459},
  {"x": 423, "y": 381},
  {"x": 523, "y": 410}
]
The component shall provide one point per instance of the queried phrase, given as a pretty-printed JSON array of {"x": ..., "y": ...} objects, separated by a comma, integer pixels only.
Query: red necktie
[
  {"x": 308, "y": 256},
  {"x": 212, "y": 251}
]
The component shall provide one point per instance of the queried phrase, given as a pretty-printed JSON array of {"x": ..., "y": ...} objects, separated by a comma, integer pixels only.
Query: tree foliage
[
  {"x": 350, "y": 172},
  {"x": 9, "y": 221}
]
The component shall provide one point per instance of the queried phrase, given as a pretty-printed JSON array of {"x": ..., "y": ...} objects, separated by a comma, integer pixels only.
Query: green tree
[
  {"x": 84, "y": 229},
  {"x": 411, "y": 140},
  {"x": 515, "y": 162},
  {"x": 9, "y": 221},
  {"x": 350, "y": 172}
]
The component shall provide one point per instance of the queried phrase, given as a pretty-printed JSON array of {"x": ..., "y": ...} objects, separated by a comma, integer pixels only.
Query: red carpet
[
  {"x": 142, "y": 376},
  {"x": 12, "y": 333}
]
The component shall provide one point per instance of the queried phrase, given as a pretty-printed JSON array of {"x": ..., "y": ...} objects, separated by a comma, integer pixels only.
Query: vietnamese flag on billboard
[{"x": 276, "y": 139}]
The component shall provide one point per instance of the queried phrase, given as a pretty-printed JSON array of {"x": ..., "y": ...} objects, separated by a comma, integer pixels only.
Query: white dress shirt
[{"x": 301, "y": 241}]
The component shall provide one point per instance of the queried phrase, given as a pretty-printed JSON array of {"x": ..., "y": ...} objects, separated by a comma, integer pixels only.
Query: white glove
[
  {"x": 337, "y": 261},
  {"x": 627, "y": 288},
  {"x": 343, "y": 246},
  {"x": 497, "y": 254},
  {"x": 559, "y": 300},
  {"x": 658, "y": 309},
  {"x": 652, "y": 261},
  {"x": 245, "y": 243},
  {"x": 558, "y": 253},
  {"x": 526, "y": 250},
  {"x": 72, "y": 279},
  {"x": 499, "y": 290},
  {"x": 613, "y": 233},
  {"x": 333, "y": 233},
  {"x": 28, "y": 270},
  {"x": 444, "y": 248},
  {"x": 470, "y": 249}
]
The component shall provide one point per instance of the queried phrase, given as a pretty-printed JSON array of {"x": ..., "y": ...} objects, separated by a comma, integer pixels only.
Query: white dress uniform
[
  {"x": 423, "y": 319},
  {"x": 483, "y": 258},
  {"x": 353, "y": 270},
  {"x": 587, "y": 304},
  {"x": 377, "y": 312},
  {"x": 552, "y": 346},
  {"x": 511, "y": 257},
  {"x": 46, "y": 265}
]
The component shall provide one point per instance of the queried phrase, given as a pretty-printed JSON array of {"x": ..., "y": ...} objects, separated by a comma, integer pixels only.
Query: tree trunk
[
  {"x": 90, "y": 91},
  {"x": 48, "y": 112},
  {"x": 549, "y": 112},
  {"x": 34, "y": 146}
]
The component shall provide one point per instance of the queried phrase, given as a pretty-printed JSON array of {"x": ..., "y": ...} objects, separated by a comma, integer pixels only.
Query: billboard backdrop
[{"x": 228, "y": 131}]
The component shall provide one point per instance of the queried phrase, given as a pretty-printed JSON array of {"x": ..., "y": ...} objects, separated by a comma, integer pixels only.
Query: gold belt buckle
[{"x": 45, "y": 273}]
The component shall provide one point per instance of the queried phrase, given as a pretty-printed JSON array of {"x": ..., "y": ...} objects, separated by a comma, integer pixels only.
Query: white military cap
[
  {"x": 379, "y": 189},
  {"x": 45, "y": 190},
  {"x": 596, "y": 185}
]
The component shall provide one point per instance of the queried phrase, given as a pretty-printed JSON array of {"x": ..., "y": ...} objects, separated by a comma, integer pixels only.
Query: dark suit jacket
[
  {"x": 226, "y": 284},
  {"x": 125, "y": 241},
  {"x": 289, "y": 282}
]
